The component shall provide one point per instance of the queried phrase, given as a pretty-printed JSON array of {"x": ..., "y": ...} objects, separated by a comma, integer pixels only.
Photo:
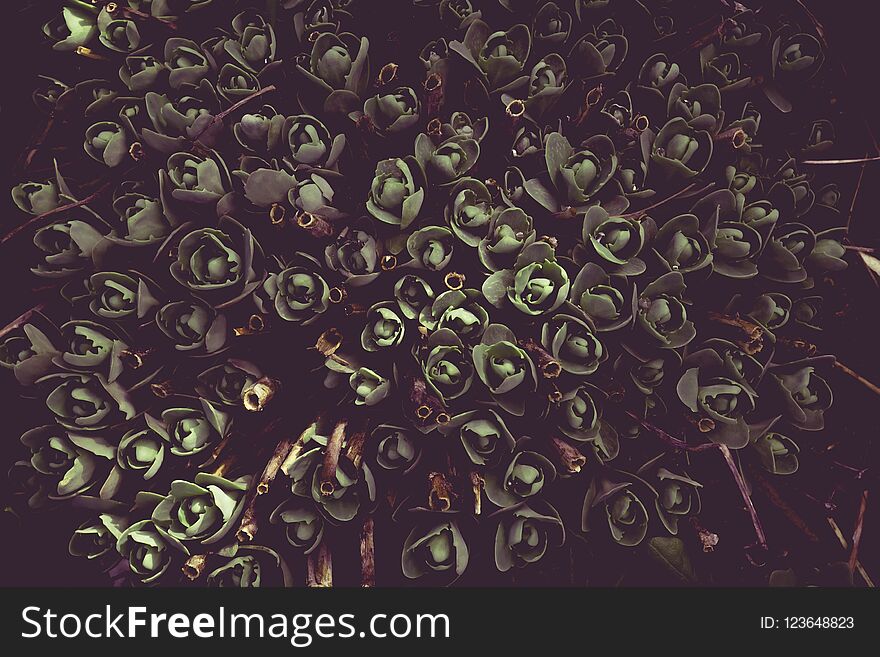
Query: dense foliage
[{"x": 515, "y": 275}]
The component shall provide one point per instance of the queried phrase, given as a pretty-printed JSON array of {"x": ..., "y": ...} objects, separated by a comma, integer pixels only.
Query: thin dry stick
[
  {"x": 274, "y": 465},
  {"x": 857, "y": 533},
  {"x": 168, "y": 23},
  {"x": 247, "y": 530},
  {"x": 319, "y": 567},
  {"x": 63, "y": 208},
  {"x": 852, "y": 160},
  {"x": 477, "y": 485},
  {"x": 368, "y": 554},
  {"x": 858, "y": 377},
  {"x": 331, "y": 458},
  {"x": 725, "y": 452},
  {"x": 21, "y": 320},
  {"x": 29, "y": 155},
  {"x": 845, "y": 545},
  {"x": 678, "y": 194},
  {"x": 743, "y": 489},
  {"x": 354, "y": 450},
  {"x": 669, "y": 439},
  {"x": 776, "y": 499},
  {"x": 852, "y": 205},
  {"x": 222, "y": 115}
]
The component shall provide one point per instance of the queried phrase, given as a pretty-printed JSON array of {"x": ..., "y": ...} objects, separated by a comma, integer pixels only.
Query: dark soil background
[{"x": 836, "y": 465}]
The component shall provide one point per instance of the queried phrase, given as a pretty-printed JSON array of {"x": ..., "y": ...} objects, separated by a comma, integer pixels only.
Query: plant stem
[
  {"x": 681, "y": 192},
  {"x": 222, "y": 115},
  {"x": 129, "y": 12},
  {"x": 194, "y": 566},
  {"x": 354, "y": 450},
  {"x": 368, "y": 554},
  {"x": 845, "y": 545},
  {"x": 477, "y": 485},
  {"x": 571, "y": 459},
  {"x": 547, "y": 365},
  {"x": 21, "y": 320},
  {"x": 36, "y": 144},
  {"x": 857, "y": 533},
  {"x": 854, "y": 160},
  {"x": 274, "y": 464},
  {"x": 331, "y": 458},
  {"x": 743, "y": 489},
  {"x": 677, "y": 443},
  {"x": 776, "y": 499},
  {"x": 441, "y": 493},
  {"x": 62, "y": 208},
  {"x": 858, "y": 377},
  {"x": 319, "y": 568}
]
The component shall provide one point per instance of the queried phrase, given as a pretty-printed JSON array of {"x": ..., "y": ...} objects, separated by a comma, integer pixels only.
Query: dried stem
[
  {"x": 859, "y": 249},
  {"x": 282, "y": 449},
  {"x": 21, "y": 320},
  {"x": 571, "y": 459},
  {"x": 855, "y": 197},
  {"x": 669, "y": 439},
  {"x": 707, "y": 539},
  {"x": 477, "y": 485},
  {"x": 329, "y": 342},
  {"x": 441, "y": 493},
  {"x": 855, "y": 160},
  {"x": 857, "y": 533},
  {"x": 194, "y": 566},
  {"x": 354, "y": 449},
  {"x": 743, "y": 489},
  {"x": 256, "y": 397},
  {"x": 319, "y": 568},
  {"x": 591, "y": 99},
  {"x": 776, "y": 499},
  {"x": 735, "y": 137},
  {"x": 164, "y": 22},
  {"x": 62, "y": 208},
  {"x": 315, "y": 225},
  {"x": 702, "y": 424},
  {"x": 247, "y": 530},
  {"x": 548, "y": 366},
  {"x": 858, "y": 377},
  {"x": 368, "y": 554},
  {"x": 218, "y": 118},
  {"x": 218, "y": 450},
  {"x": 747, "y": 335},
  {"x": 331, "y": 458},
  {"x": 678, "y": 194},
  {"x": 36, "y": 144},
  {"x": 424, "y": 406},
  {"x": 845, "y": 545},
  {"x": 677, "y": 443},
  {"x": 435, "y": 92},
  {"x": 797, "y": 347}
]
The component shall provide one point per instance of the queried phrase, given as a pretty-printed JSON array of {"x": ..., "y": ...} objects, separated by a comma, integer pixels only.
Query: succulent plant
[{"x": 467, "y": 262}]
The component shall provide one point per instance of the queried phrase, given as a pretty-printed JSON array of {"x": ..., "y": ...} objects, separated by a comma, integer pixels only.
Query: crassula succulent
[{"x": 482, "y": 278}]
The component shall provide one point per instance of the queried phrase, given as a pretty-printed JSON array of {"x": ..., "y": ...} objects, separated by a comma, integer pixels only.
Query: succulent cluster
[{"x": 508, "y": 269}]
